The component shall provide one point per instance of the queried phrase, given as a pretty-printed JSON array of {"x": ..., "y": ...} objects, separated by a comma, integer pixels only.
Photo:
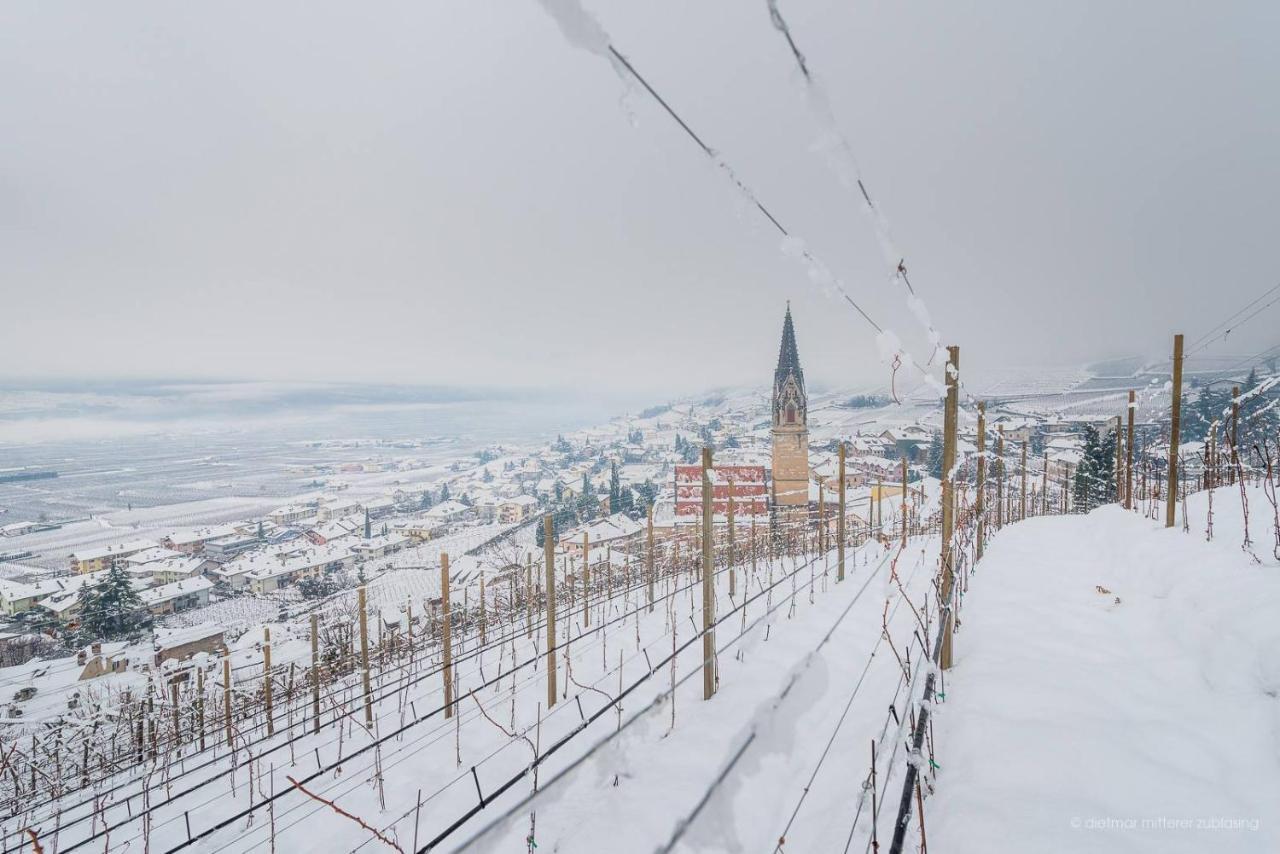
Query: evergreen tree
[
  {"x": 316, "y": 588},
  {"x": 615, "y": 489},
  {"x": 588, "y": 505},
  {"x": 1037, "y": 442},
  {"x": 111, "y": 608},
  {"x": 935, "y": 456},
  {"x": 1094, "y": 483},
  {"x": 648, "y": 493},
  {"x": 444, "y": 492},
  {"x": 1207, "y": 408},
  {"x": 367, "y": 532}
]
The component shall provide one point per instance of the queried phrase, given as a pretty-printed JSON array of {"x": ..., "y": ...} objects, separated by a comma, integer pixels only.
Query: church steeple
[
  {"x": 790, "y": 424},
  {"x": 790, "y": 404},
  {"x": 788, "y": 357}
]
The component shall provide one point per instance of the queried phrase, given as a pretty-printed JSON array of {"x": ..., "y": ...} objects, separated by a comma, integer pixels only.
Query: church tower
[{"x": 790, "y": 425}]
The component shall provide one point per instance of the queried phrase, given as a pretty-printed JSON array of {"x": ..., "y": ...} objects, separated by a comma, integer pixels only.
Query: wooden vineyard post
[
  {"x": 755, "y": 545},
  {"x": 315, "y": 673},
  {"x": 648, "y": 556},
  {"x": 904, "y": 502},
  {"x": 266, "y": 678},
  {"x": 1128, "y": 452},
  {"x": 948, "y": 500},
  {"x": 446, "y": 635},
  {"x": 528, "y": 595},
  {"x": 1118, "y": 465},
  {"x": 840, "y": 533},
  {"x": 586, "y": 579},
  {"x": 362, "y": 603},
  {"x": 733, "y": 578},
  {"x": 408, "y": 622},
  {"x": 708, "y": 578},
  {"x": 979, "y": 499},
  {"x": 1235, "y": 431},
  {"x": 1175, "y": 424},
  {"x": 549, "y": 585},
  {"x": 484, "y": 619},
  {"x": 1022, "y": 511},
  {"x": 999, "y": 476},
  {"x": 822, "y": 511},
  {"x": 199, "y": 705},
  {"x": 226, "y": 695},
  {"x": 1044, "y": 486},
  {"x": 879, "y": 507},
  {"x": 177, "y": 713},
  {"x": 1211, "y": 470}
]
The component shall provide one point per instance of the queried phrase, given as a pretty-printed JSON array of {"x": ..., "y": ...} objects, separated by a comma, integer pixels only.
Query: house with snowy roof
[
  {"x": 104, "y": 557},
  {"x": 603, "y": 532},
  {"x": 192, "y": 541},
  {"x": 178, "y": 596},
  {"x": 448, "y": 511}
]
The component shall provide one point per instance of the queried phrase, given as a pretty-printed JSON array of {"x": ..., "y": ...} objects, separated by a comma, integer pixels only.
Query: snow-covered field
[{"x": 1116, "y": 688}]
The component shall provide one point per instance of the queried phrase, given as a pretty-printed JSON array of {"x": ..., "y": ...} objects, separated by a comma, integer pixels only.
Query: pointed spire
[{"x": 788, "y": 357}]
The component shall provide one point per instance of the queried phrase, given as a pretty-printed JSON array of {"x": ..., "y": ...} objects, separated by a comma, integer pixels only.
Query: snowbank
[{"x": 1116, "y": 688}]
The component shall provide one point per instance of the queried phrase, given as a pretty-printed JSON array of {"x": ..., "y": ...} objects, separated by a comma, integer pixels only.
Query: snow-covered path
[{"x": 1116, "y": 688}]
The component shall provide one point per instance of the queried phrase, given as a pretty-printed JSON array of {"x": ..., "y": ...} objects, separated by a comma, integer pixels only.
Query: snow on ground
[
  {"x": 236, "y": 613},
  {"x": 783, "y": 685},
  {"x": 1116, "y": 688}
]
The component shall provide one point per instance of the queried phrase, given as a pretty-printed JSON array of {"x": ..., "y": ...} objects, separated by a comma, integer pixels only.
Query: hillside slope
[{"x": 1116, "y": 688}]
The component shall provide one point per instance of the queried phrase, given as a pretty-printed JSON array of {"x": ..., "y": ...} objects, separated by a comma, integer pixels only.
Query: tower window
[{"x": 791, "y": 414}]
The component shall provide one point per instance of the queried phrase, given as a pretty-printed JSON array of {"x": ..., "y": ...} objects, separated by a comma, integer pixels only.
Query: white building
[{"x": 178, "y": 596}]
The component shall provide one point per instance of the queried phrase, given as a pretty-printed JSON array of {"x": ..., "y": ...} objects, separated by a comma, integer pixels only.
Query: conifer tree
[
  {"x": 111, "y": 608},
  {"x": 935, "y": 456},
  {"x": 1094, "y": 483},
  {"x": 615, "y": 490}
]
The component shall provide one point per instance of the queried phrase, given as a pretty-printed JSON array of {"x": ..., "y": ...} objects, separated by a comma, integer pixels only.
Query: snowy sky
[{"x": 449, "y": 193}]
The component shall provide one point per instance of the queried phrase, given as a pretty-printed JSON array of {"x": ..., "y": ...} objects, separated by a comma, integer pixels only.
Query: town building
[
  {"x": 790, "y": 429},
  {"x": 290, "y": 514},
  {"x": 515, "y": 510},
  {"x": 192, "y": 541},
  {"x": 602, "y": 532},
  {"x": 104, "y": 557},
  {"x": 225, "y": 548},
  {"x": 743, "y": 484},
  {"x": 181, "y": 644},
  {"x": 178, "y": 596}
]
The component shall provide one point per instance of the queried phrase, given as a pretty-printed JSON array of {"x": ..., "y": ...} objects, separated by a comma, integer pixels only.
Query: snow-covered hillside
[{"x": 1116, "y": 688}]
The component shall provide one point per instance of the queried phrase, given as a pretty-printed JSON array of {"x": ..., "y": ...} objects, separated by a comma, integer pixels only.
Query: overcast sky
[{"x": 449, "y": 193}]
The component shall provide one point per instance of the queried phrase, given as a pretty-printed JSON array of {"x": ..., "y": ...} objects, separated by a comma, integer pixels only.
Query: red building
[{"x": 746, "y": 483}]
